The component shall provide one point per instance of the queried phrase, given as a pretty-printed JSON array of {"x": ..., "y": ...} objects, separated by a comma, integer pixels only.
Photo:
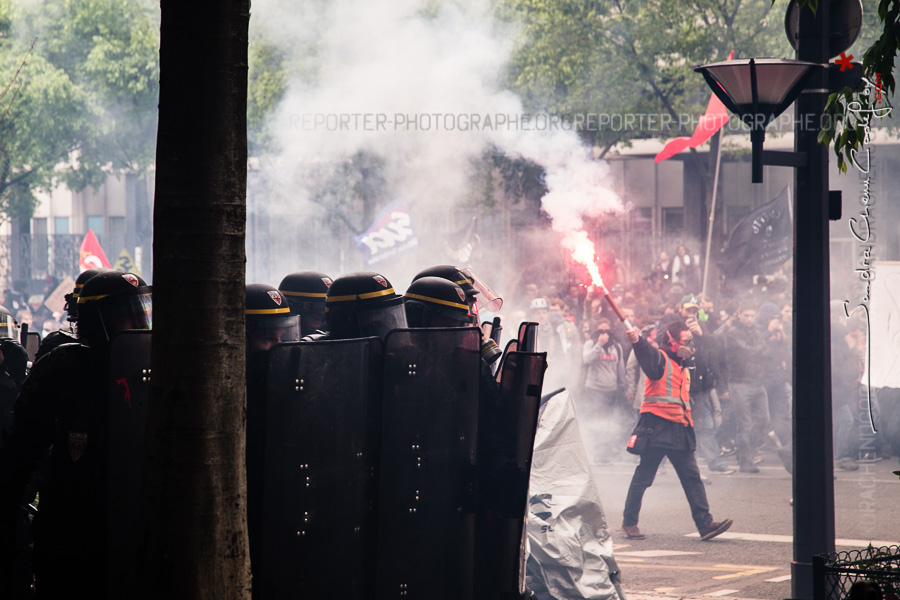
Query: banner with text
[{"x": 390, "y": 234}]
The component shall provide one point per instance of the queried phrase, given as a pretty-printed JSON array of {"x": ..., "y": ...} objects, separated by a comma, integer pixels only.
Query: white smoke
[{"x": 419, "y": 86}]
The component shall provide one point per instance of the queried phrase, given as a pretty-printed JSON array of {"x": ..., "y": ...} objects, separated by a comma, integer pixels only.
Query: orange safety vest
[{"x": 667, "y": 397}]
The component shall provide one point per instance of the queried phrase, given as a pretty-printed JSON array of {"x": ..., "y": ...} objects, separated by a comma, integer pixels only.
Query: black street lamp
[
  {"x": 757, "y": 90},
  {"x": 749, "y": 93}
]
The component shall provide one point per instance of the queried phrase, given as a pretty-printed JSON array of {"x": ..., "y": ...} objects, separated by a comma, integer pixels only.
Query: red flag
[
  {"x": 92, "y": 256},
  {"x": 713, "y": 119}
]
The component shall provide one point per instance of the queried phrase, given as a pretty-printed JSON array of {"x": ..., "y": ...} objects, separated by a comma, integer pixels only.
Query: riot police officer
[
  {"x": 13, "y": 363},
  {"x": 269, "y": 321},
  {"x": 436, "y": 302},
  {"x": 62, "y": 409},
  {"x": 471, "y": 284},
  {"x": 361, "y": 305},
  {"x": 305, "y": 292},
  {"x": 68, "y": 335}
]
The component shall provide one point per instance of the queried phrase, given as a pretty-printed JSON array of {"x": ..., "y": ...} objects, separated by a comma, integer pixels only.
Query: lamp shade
[{"x": 757, "y": 90}]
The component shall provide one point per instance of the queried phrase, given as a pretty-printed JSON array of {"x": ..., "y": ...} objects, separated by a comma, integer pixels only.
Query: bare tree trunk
[{"x": 195, "y": 485}]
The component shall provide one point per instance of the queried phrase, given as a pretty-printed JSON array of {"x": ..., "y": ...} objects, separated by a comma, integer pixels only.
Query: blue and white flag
[{"x": 390, "y": 234}]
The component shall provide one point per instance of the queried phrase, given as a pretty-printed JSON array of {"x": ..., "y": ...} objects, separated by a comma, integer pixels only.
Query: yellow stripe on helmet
[
  {"x": 359, "y": 296},
  {"x": 267, "y": 311},
  {"x": 438, "y": 301},
  {"x": 304, "y": 294},
  {"x": 86, "y": 299}
]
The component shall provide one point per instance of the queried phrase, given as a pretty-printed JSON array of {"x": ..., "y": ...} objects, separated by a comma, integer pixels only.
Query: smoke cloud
[{"x": 418, "y": 86}]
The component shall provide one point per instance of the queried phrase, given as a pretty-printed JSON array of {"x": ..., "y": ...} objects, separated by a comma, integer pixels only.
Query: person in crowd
[
  {"x": 604, "y": 388},
  {"x": 565, "y": 328},
  {"x": 778, "y": 369},
  {"x": 845, "y": 375},
  {"x": 704, "y": 401},
  {"x": 685, "y": 267},
  {"x": 661, "y": 272},
  {"x": 554, "y": 342},
  {"x": 68, "y": 556},
  {"x": 742, "y": 350},
  {"x": 666, "y": 413}
]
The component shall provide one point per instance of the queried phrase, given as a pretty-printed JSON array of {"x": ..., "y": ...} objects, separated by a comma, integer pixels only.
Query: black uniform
[{"x": 62, "y": 404}]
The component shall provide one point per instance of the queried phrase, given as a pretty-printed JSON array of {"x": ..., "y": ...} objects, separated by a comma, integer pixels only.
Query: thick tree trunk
[{"x": 195, "y": 488}]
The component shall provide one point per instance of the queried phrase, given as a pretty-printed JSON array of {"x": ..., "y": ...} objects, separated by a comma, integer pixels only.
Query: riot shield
[
  {"x": 507, "y": 426},
  {"x": 426, "y": 513},
  {"x": 129, "y": 391},
  {"x": 32, "y": 343},
  {"x": 323, "y": 407}
]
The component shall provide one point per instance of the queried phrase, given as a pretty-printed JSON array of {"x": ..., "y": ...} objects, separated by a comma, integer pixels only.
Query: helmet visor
[
  {"x": 8, "y": 327},
  {"x": 263, "y": 333},
  {"x": 378, "y": 321},
  {"x": 490, "y": 301},
  {"x": 132, "y": 312}
]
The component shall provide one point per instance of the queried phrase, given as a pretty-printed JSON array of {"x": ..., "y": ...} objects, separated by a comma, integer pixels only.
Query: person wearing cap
[
  {"x": 604, "y": 386},
  {"x": 704, "y": 401},
  {"x": 666, "y": 413}
]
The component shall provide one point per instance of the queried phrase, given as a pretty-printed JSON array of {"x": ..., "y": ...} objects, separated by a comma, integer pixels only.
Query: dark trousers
[{"x": 685, "y": 465}]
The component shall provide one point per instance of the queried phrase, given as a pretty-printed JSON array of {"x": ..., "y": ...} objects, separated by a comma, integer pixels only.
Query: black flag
[{"x": 761, "y": 240}]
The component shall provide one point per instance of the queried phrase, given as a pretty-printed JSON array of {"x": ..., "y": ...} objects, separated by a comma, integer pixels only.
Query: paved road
[{"x": 752, "y": 560}]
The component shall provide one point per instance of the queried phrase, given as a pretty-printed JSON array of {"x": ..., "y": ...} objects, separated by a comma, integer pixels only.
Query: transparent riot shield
[
  {"x": 507, "y": 425},
  {"x": 322, "y": 417},
  {"x": 32, "y": 343},
  {"x": 129, "y": 392},
  {"x": 426, "y": 512}
]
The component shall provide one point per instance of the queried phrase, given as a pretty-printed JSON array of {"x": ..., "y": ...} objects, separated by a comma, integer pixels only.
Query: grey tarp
[{"x": 570, "y": 547}]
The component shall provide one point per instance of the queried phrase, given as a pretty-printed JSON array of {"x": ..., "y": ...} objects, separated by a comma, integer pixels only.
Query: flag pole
[{"x": 712, "y": 213}]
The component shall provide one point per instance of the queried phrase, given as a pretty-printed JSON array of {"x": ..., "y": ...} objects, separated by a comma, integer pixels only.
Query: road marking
[
  {"x": 744, "y": 571},
  {"x": 655, "y": 553},
  {"x": 771, "y": 537},
  {"x": 722, "y": 593},
  {"x": 729, "y": 571},
  {"x": 779, "y": 579},
  {"x": 664, "y": 590}
]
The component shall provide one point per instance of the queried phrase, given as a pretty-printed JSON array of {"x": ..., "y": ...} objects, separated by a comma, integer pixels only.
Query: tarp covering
[{"x": 570, "y": 547}]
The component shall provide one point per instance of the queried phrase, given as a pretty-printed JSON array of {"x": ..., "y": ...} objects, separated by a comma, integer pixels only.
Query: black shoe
[{"x": 715, "y": 529}]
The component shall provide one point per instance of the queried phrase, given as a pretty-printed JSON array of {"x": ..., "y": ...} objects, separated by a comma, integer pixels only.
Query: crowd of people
[{"x": 741, "y": 371}]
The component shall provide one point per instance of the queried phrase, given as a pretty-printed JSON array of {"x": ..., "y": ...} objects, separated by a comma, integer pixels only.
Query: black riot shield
[
  {"x": 426, "y": 512},
  {"x": 507, "y": 426},
  {"x": 323, "y": 407},
  {"x": 129, "y": 391}
]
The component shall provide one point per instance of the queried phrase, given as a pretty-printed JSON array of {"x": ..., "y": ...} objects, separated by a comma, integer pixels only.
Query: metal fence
[
  {"x": 835, "y": 573},
  {"x": 29, "y": 257}
]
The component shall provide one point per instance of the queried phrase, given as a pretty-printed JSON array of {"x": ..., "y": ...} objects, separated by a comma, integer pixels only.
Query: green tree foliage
[
  {"x": 81, "y": 81},
  {"x": 621, "y": 57}
]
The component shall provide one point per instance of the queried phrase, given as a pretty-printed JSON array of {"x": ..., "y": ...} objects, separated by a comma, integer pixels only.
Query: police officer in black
[
  {"x": 60, "y": 415},
  {"x": 68, "y": 335},
  {"x": 305, "y": 292},
  {"x": 361, "y": 305},
  {"x": 13, "y": 364},
  {"x": 269, "y": 321}
]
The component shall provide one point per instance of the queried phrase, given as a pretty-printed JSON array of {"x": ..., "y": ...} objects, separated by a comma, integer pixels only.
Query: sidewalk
[{"x": 632, "y": 595}]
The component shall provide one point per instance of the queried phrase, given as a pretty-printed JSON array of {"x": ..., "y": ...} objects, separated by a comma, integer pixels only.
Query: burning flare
[{"x": 583, "y": 252}]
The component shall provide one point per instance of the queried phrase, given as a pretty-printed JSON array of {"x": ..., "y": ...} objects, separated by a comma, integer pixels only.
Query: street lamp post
[
  {"x": 757, "y": 97},
  {"x": 812, "y": 427}
]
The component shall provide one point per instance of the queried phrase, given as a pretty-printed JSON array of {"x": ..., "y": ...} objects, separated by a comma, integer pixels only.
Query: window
[
  {"x": 61, "y": 225},
  {"x": 673, "y": 220}
]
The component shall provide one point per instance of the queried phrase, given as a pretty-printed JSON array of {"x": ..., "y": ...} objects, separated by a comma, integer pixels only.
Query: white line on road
[
  {"x": 779, "y": 579},
  {"x": 771, "y": 537},
  {"x": 722, "y": 593},
  {"x": 655, "y": 553}
]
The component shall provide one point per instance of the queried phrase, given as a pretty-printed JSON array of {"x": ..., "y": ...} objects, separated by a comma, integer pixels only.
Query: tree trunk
[{"x": 195, "y": 484}]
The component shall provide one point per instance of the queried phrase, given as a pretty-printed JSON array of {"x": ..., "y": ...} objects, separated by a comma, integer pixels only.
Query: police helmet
[
  {"x": 470, "y": 283},
  {"x": 269, "y": 318},
  {"x": 361, "y": 305},
  {"x": 72, "y": 297},
  {"x": 9, "y": 327},
  {"x": 112, "y": 301},
  {"x": 305, "y": 293},
  {"x": 436, "y": 302}
]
